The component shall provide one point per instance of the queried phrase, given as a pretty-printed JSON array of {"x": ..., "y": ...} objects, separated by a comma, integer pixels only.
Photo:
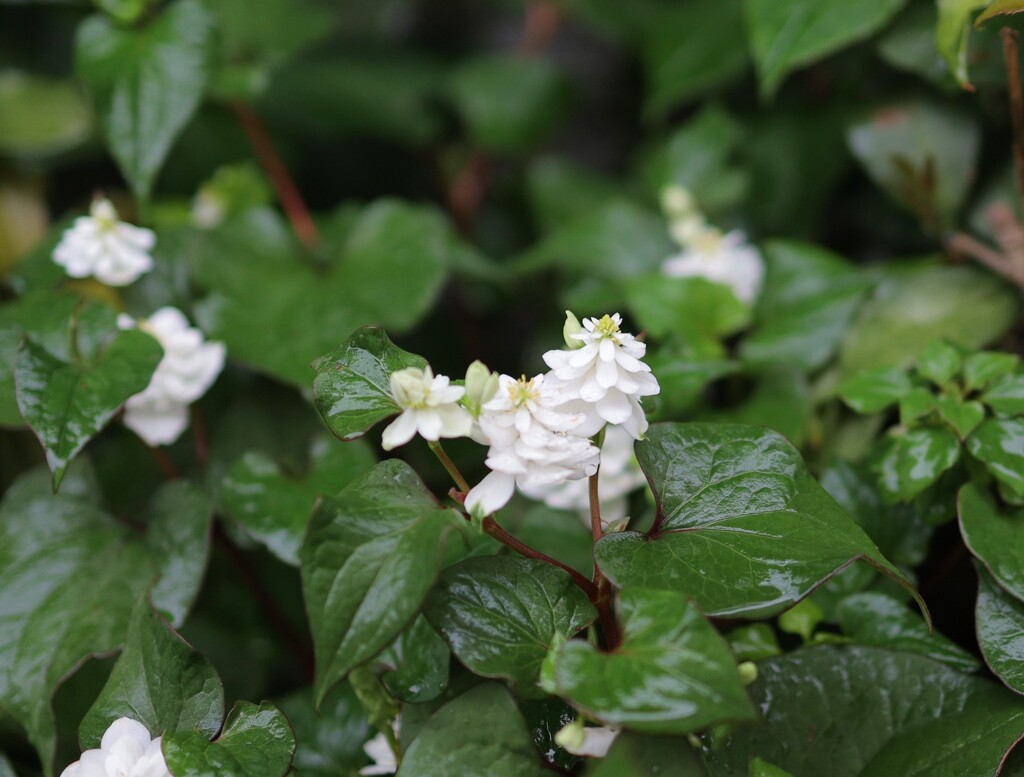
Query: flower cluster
[
  {"x": 126, "y": 750},
  {"x": 116, "y": 253},
  {"x": 727, "y": 259},
  {"x": 538, "y": 430}
]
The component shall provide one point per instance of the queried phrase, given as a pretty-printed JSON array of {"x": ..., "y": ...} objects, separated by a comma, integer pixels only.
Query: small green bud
[
  {"x": 571, "y": 736},
  {"x": 481, "y": 386},
  {"x": 571, "y": 327},
  {"x": 748, "y": 672}
]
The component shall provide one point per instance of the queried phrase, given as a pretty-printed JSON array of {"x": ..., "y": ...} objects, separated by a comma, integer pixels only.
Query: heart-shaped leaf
[
  {"x": 742, "y": 526},
  {"x": 672, "y": 673},
  {"x": 352, "y": 387},
  {"x": 999, "y": 621},
  {"x": 500, "y": 614},
  {"x": 999, "y": 442},
  {"x": 984, "y": 367},
  {"x": 635, "y": 755},
  {"x": 256, "y": 742}
]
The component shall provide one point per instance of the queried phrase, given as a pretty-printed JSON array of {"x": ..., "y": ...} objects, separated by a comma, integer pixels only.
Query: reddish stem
[
  {"x": 164, "y": 462},
  {"x": 280, "y": 178},
  {"x": 202, "y": 444},
  {"x": 493, "y": 529},
  {"x": 595, "y": 507}
]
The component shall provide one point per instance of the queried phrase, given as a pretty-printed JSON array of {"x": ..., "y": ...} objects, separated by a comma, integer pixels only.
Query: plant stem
[
  {"x": 963, "y": 244},
  {"x": 163, "y": 461},
  {"x": 202, "y": 444},
  {"x": 1010, "y": 54},
  {"x": 595, "y": 507},
  {"x": 287, "y": 192},
  {"x": 449, "y": 465},
  {"x": 493, "y": 529}
]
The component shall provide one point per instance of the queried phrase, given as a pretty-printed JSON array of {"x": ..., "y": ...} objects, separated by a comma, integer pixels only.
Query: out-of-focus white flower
[
  {"x": 590, "y": 741},
  {"x": 726, "y": 259},
  {"x": 430, "y": 406},
  {"x": 159, "y": 414},
  {"x": 126, "y": 750},
  {"x": 619, "y": 475},
  {"x": 208, "y": 209},
  {"x": 532, "y": 443},
  {"x": 379, "y": 749},
  {"x": 99, "y": 245},
  {"x": 605, "y": 378}
]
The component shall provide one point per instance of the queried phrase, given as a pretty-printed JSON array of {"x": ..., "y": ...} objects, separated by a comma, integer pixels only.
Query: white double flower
[
  {"x": 101, "y": 246},
  {"x": 430, "y": 407},
  {"x": 126, "y": 750}
]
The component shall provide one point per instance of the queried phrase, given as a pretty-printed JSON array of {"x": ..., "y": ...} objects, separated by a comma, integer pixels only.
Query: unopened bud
[
  {"x": 748, "y": 672},
  {"x": 481, "y": 386},
  {"x": 677, "y": 201},
  {"x": 571, "y": 327}
]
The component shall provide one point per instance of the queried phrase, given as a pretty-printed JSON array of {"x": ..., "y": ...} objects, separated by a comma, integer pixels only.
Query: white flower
[
  {"x": 208, "y": 209},
  {"x": 605, "y": 378},
  {"x": 726, "y": 259},
  {"x": 126, "y": 750},
  {"x": 430, "y": 406},
  {"x": 532, "y": 443},
  {"x": 591, "y": 741},
  {"x": 619, "y": 475},
  {"x": 112, "y": 251},
  {"x": 379, "y": 749},
  {"x": 159, "y": 414}
]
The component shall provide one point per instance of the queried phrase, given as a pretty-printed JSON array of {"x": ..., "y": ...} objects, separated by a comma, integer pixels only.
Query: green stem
[{"x": 449, "y": 465}]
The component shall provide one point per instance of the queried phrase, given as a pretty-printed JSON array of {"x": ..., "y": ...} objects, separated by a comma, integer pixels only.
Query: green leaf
[
  {"x": 147, "y": 82},
  {"x": 761, "y": 768},
  {"x": 370, "y": 557},
  {"x": 1006, "y": 394},
  {"x": 830, "y": 710},
  {"x": 914, "y": 304},
  {"x": 41, "y": 117},
  {"x": 999, "y": 442},
  {"x": 256, "y": 742},
  {"x": 939, "y": 362},
  {"x": 479, "y": 734},
  {"x": 634, "y": 755},
  {"x": 508, "y": 102},
  {"x": 500, "y": 615},
  {"x": 159, "y": 680},
  {"x": 921, "y": 154},
  {"x": 742, "y": 527},
  {"x": 753, "y": 642},
  {"x": 999, "y": 8},
  {"x": 785, "y": 34},
  {"x": 689, "y": 50},
  {"x": 962, "y": 416},
  {"x": 809, "y": 297},
  {"x": 995, "y": 537},
  {"x": 328, "y": 743},
  {"x": 352, "y": 388},
  {"x": 417, "y": 664},
  {"x": 918, "y": 402},
  {"x": 559, "y": 191},
  {"x": 999, "y": 619},
  {"x": 875, "y": 389},
  {"x": 278, "y": 314},
  {"x": 778, "y": 400},
  {"x": 879, "y": 620},
  {"x": 952, "y": 32},
  {"x": 70, "y": 575},
  {"x": 275, "y": 508},
  {"x": 685, "y": 306},
  {"x": 672, "y": 673},
  {"x": 801, "y": 619},
  {"x": 67, "y": 404},
  {"x": 915, "y": 460},
  {"x": 984, "y": 367}
]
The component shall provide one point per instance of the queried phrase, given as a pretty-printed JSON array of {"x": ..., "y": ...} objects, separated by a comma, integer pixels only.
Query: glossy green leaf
[
  {"x": 915, "y": 460},
  {"x": 753, "y": 642},
  {"x": 984, "y": 367},
  {"x": 917, "y": 402},
  {"x": 684, "y": 306},
  {"x": 999, "y": 8},
  {"x": 962, "y": 416},
  {"x": 69, "y": 577},
  {"x": 879, "y": 620},
  {"x": 999, "y": 623},
  {"x": 417, "y": 664},
  {"x": 999, "y": 442},
  {"x": 147, "y": 82},
  {"x": 500, "y": 614},
  {"x": 761, "y": 768},
  {"x": 329, "y": 743},
  {"x": 479, "y": 734},
  {"x": 159, "y": 680},
  {"x": 921, "y": 154},
  {"x": 809, "y": 297},
  {"x": 939, "y": 362},
  {"x": 40, "y": 117},
  {"x": 559, "y": 191},
  {"x": 635, "y": 755},
  {"x": 994, "y": 536},
  {"x": 831, "y": 710},
  {"x": 275, "y": 508},
  {"x": 508, "y": 102},
  {"x": 370, "y": 557},
  {"x": 915, "y": 304},
  {"x": 1006, "y": 394},
  {"x": 875, "y": 389},
  {"x": 66, "y": 404},
  {"x": 690, "y": 49},
  {"x": 742, "y": 527},
  {"x": 672, "y": 673},
  {"x": 256, "y": 742},
  {"x": 802, "y": 619},
  {"x": 786, "y": 34},
  {"x": 352, "y": 388},
  {"x": 952, "y": 32}
]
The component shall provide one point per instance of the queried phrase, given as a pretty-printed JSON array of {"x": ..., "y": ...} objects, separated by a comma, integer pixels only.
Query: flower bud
[
  {"x": 677, "y": 202},
  {"x": 569, "y": 328},
  {"x": 748, "y": 672},
  {"x": 481, "y": 386}
]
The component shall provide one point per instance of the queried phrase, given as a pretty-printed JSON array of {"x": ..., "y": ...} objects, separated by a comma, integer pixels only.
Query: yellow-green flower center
[
  {"x": 606, "y": 327},
  {"x": 522, "y": 391}
]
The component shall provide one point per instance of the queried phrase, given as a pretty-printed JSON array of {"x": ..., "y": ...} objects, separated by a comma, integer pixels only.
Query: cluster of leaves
[{"x": 461, "y": 200}]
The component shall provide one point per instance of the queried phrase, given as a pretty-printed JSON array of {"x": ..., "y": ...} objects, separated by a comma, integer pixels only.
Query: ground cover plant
[{"x": 511, "y": 388}]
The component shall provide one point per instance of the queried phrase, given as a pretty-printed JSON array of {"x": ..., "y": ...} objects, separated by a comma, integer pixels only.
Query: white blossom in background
[
  {"x": 379, "y": 749},
  {"x": 159, "y": 414},
  {"x": 430, "y": 407},
  {"x": 533, "y": 444},
  {"x": 619, "y": 476},
  {"x": 604, "y": 378},
  {"x": 726, "y": 259},
  {"x": 208, "y": 209},
  {"x": 126, "y": 750},
  {"x": 589, "y": 741},
  {"x": 109, "y": 250}
]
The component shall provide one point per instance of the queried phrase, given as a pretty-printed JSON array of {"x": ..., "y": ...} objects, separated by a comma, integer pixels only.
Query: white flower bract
[
  {"x": 189, "y": 366},
  {"x": 605, "y": 379},
  {"x": 726, "y": 259},
  {"x": 589, "y": 741},
  {"x": 126, "y": 750},
  {"x": 430, "y": 407},
  {"x": 533, "y": 444},
  {"x": 379, "y": 749},
  {"x": 101, "y": 246}
]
